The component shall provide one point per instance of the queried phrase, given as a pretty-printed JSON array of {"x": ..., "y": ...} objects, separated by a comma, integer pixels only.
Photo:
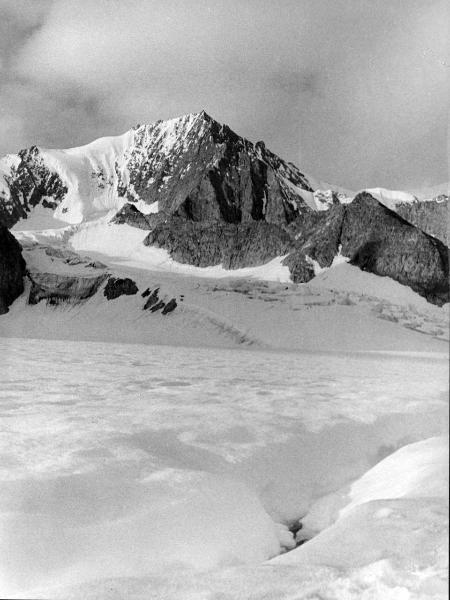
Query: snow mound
[
  {"x": 397, "y": 510},
  {"x": 178, "y": 519},
  {"x": 416, "y": 470}
]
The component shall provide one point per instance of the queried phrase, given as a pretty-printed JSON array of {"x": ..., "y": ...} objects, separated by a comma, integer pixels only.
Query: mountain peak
[{"x": 203, "y": 115}]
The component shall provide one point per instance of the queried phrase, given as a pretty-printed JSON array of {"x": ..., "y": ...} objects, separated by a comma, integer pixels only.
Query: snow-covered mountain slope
[
  {"x": 169, "y": 166},
  {"x": 175, "y": 163},
  {"x": 342, "y": 308},
  {"x": 210, "y": 198}
]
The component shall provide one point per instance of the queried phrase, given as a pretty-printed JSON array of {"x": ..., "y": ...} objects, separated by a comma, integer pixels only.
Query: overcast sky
[{"x": 352, "y": 91}]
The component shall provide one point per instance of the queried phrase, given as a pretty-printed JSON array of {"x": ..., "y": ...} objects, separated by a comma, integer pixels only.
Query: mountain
[
  {"x": 206, "y": 197},
  {"x": 429, "y": 214},
  {"x": 192, "y": 166}
]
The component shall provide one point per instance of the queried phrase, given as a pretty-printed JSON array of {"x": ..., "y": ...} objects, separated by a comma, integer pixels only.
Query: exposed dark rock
[
  {"x": 318, "y": 234},
  {"x": 377, "y": 240},
  {"x": 130, "y": 215},
  {"x": 152, "y": 299},
  {"x": 232, "y": 246},
  {"x": 301, "y": 270},
  {"x": 431, "y": 216},
  {"x": 12, "y": 269},
  {"x": 380, "y": 241},
  {"x": 57, "y": 288},
  {"x": 213, "y": 175},
  {"x": 116, "y": 287},
  {"x": 170, "y": 306},
  {"x": 146, "y": 293},
  {"x": 372, "y": 236},
  {"x": 157, "y": 306}
]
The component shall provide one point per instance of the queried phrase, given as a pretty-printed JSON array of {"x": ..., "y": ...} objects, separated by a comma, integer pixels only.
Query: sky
[{"x": 354, "y": 92}]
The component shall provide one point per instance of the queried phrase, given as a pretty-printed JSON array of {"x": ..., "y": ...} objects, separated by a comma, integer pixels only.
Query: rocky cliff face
[
  {"x": 379, "y": 241},
  {"x": 231, "y": 245},
  {"x": 370, "y": 235},
  {"x": 200, "y": 170},
  {"x": 431, "y": 216},
  {"x": 130, "y": 215},
  {"x": 12, "y": 269},
  {"x": 56, "y": 288}
]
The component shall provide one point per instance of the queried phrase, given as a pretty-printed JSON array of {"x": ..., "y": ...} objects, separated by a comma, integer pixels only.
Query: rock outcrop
[
  {"x": 230, "y": 245},
  {"x": 169, "y": 307},
  {"x": 57, "y": 289},
  {"x": 372, "y": 236},
  {"x": 154, "y": 303},
  {"x": 377, "y": 240},
  {"x": 12, "y": 269},
  {"x": 431, "y": 216},
  {"x": 318, "y": 234},
  {"x": 380, "y": 241},
  {"x": 130, "y": 215},
  {"x": 116, "y": 287},
  {"x": 152, "y": 299}
]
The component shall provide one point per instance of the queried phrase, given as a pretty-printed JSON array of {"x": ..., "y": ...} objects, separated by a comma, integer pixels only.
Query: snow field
[{"x": 170, "y": 469}]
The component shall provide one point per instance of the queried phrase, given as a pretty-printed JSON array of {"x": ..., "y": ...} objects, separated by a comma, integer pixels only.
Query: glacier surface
[{"x": 133, "y": 471}]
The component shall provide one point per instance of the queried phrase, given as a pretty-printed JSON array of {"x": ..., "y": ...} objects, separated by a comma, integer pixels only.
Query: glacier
[{"x": 162, "y": 472}]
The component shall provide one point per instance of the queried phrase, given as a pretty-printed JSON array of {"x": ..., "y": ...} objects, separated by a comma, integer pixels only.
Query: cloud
[{"x": 344, "y": 88}]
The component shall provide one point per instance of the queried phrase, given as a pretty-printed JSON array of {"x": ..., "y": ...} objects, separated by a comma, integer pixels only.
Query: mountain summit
[
  {"x": 192, "y": 165},
  {"x": 210, "y": 197}
]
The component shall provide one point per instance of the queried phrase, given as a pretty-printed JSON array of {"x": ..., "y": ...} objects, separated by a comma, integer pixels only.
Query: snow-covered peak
[
  {"x": 190, "y": 165},
  {"x": 390, "y": 198}
]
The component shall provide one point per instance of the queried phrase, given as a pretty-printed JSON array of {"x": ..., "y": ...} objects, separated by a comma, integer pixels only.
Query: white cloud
[{"x": 339, "y": 85}]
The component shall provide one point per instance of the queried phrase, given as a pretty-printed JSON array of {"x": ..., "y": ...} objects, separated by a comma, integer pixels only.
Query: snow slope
[
  {"x": 342, "y": 308},
  {"x": 392, "y": 520},
  {"x": 169, "y": 471}
]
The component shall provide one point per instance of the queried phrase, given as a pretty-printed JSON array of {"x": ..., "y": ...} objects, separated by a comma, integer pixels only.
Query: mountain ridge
[{"x": 210, "y": 197}]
